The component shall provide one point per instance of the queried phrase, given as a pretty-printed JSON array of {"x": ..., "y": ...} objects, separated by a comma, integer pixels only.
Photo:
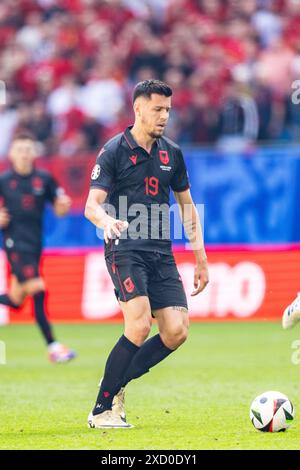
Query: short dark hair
[
  {"x": 23, "y": 136},
  {"x": 148, "y": 87}
]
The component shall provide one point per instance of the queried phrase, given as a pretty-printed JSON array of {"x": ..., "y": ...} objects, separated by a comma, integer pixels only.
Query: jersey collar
[
  {"x": 131, "y": 141},
  {"x": 19, "y": 175}
]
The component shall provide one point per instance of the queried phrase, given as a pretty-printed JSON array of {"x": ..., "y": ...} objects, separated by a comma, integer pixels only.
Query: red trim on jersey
[
  {"x": 116, "y": 271},
  {"x": 183, "y": 189},
  {"x": 123, "y": 293},
  {"x": 128, "y": 142},
  {"x": 100, "y": 187}
]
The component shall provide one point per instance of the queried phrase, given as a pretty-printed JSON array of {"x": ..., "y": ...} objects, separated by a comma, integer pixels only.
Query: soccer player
[
  {"x": 291, "y": 315},
  {"x": 24, "y": 192},
  {"x": 142, "y": 165}
]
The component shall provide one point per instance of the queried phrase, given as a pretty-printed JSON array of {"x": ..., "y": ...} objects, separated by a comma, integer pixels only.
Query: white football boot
[
  {"x": 58, "y": 353},
  {"x": 291, "y": 315},
  {"x": 107, "y": 420},
  {"x": 118, "y": 404},
  {"x": 114, "y": 418}
]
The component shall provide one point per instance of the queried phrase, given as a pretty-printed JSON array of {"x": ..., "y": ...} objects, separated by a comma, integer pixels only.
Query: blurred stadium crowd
[{"x": 70, "y": 65}]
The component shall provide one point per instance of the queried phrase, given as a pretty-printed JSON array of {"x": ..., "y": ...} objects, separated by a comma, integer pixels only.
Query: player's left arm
[
  {"x": 191, "y": 222},
  {"x": 4, "y": 214},
  {"x": 58, "y": 198},
  {"x": 62, "y": 205}
]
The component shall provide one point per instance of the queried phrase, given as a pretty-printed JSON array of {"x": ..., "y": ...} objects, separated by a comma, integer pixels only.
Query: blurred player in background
[
  {"x": 142, "y": 165},
  {"x": 24, "y": 192},
  {"x": 291, "y": 315}
]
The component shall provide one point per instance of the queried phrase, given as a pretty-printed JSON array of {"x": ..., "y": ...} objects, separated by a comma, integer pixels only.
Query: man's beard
[{"x": 155, "y": 135}]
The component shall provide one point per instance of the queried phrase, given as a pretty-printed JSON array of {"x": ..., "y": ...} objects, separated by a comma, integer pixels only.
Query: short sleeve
[
  {"x": 180, "y": 179},
  {"x": 103, "y": 173},
  {"x": 52, "y": 189}
]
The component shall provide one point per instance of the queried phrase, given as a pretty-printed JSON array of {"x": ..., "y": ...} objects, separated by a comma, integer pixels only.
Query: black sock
[
  {"x": 6, "y": 300},
  {"x": 151, "y": 353},
  {"x": 116, "y": 366},
  {"x": 41, "y": 318}
]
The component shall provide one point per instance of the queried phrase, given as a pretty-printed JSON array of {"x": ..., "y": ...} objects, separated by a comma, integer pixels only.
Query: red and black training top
[{"x": 25, "y": 198}]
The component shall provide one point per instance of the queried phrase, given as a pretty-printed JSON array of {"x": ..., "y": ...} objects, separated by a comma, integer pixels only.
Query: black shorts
[
  {"x": 154, "y": 275},
  {"x": 24, "y": 266}
]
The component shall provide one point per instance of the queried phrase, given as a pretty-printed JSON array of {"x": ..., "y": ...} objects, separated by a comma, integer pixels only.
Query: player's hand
[
  {"x": 201, "y": 277},
  {"x": 4, "y": 217},
  {"x": 62, "y": 205},
  {"x": 113, "y": 228}
]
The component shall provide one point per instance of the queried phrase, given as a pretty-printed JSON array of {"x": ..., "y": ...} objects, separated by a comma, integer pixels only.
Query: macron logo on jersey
[{"x": 133, "y": 158}]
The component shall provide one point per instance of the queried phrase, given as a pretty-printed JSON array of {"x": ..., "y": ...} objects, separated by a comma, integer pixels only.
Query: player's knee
[
  {"x": 138, "y": 332},
  {"x": 34, "y": 286},
  {"x": 175, "y": 337},
  {"x": 182, "y": 336},
  {"x": 17, "y": 298},
  {"x": 17, "y": 301},
  {"x": 142, "y": 330}
]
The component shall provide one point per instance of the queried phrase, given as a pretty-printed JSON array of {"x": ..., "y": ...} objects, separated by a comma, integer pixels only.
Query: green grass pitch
[{"x": 198, "y": 398}]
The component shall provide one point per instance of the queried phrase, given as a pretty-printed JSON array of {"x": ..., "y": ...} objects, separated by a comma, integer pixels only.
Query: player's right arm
[
  {"x": 98, "y": 216},
  {"x": 4, "y": 214},
  {"x": 4, "y": 218},
  {"x": 102, "y": 179}
]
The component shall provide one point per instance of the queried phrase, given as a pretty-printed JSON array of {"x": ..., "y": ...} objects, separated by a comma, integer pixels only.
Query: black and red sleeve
[
  {"x": 1, "y": 195},
  {"x": 52, "y": 189},
  {"x": 180, "y": 180},
  {"x": 103, "y": 173}
]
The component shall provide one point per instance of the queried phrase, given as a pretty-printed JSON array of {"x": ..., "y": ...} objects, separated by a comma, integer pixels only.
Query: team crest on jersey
[
  {"x": 13, "y": 184},
  {"x": 96, "y": 172},
  {"x": 38, "y": 185},
  {"x": 164, "y": 157}
]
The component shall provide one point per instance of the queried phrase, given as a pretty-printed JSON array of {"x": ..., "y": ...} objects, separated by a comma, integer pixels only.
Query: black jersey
[
  {"x": 140, "y": 183},
  {"x": 25, "y": 198}
]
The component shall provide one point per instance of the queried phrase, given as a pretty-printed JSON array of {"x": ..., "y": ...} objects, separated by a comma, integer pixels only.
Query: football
[{"x": 272, "y": 412}]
